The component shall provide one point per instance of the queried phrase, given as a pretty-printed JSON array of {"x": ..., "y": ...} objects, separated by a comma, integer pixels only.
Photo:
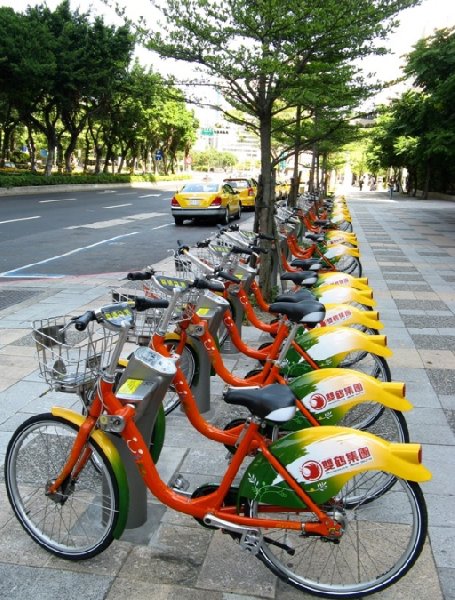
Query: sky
[{"x": 415, "y": 23}]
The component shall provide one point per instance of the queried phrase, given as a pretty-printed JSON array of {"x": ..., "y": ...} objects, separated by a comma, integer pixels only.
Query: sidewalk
[{"x": 408, "y": 253}]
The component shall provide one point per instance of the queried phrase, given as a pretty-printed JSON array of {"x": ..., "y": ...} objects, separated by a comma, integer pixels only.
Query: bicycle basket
[
  {"x": 145, "y": 322},
  {"x": 162, "y": 285},
  {"x": 69, "y": 359},
  {"x": 204, "y": 260}
]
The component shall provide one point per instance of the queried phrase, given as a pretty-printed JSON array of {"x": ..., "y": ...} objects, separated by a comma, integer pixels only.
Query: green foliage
[
  {"x": 417, "y": 131},
  {"x": 28, "y": 179},
  {"x": 70, "y": 78},
  {"x": 206, "y": 159}
]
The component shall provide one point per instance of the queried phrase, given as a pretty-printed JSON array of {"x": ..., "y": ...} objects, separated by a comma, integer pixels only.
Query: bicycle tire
[
  {"x": 381, "y": 542},
  {"x": 78, "y": 522},
  {"x": 368, "y": 363},
  {"x": 187, "y": 364},
  {"x": 350, "y": 265}
]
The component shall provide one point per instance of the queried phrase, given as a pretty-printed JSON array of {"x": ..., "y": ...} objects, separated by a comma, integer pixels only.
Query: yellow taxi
[
  {"x": 282, "y": 189},
  {"x": 206, "y": 200},
  {"x": 247, "y": 189}
]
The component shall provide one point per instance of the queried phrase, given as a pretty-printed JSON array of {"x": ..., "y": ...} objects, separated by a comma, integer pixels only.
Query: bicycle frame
[{"x": 402, "y": 460}]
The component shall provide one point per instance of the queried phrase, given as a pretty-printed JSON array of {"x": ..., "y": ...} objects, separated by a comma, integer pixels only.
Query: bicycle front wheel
[
  {"x": 78, "y": 521},
  {"x": 380, "y": 543}
]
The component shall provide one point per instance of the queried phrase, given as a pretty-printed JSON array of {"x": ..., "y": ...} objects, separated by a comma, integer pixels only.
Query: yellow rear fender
[
  {"x": 356, "y": 451},
  {"x": 340, "y": 278},
  {"x": 340, "y": 250},
  {"x": 342, "y": 295},
  {"x": 345, "y": 314},
  {"x": 346, "y": 235},
  {"x": 335, "y": 389},
  {"x": 327, "y": 342}
]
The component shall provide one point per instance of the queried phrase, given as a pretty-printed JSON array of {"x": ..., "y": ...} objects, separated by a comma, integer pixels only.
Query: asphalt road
[{"x": 88, "y": 232}]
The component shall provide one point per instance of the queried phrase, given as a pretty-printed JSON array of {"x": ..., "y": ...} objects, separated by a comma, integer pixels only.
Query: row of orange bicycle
[{"x": 321, "y": 480}]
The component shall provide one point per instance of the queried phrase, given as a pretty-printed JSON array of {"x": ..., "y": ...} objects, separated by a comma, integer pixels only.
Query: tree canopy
[
  {"x": 72, "y": 73},
  {"x": 417, "y": 130},
  {"x": 267, "y": 57}
]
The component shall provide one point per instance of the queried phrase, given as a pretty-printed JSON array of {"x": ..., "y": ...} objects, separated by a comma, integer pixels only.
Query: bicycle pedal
[{"x": 179, "y": 483}]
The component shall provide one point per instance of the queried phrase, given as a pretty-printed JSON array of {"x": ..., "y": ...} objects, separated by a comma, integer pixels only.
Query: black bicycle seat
[
  {"x": 309, "y": 264},
  {"x": 310, "y": 312},
  {"x": 275, "y": 402},
  {"x": 294, "y": 297}
]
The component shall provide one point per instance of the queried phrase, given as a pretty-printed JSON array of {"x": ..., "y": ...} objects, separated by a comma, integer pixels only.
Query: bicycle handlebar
[
  {"x": 140, "y": 275},
  {"x": 81, "y": 322}
]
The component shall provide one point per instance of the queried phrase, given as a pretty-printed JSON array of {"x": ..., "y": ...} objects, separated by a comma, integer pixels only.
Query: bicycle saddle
[
  {"x": 315, "y": 237},
  {"x": 309, "y": 312},
  {"x": 299, "y": 296},
  {"x": 309, "y": 264},
  {"x": 275, "y": 402},
  {"x": 302, "y": 278}
]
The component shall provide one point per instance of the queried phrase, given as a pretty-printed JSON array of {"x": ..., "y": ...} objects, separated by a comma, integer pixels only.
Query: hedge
[{"x": 30, "y": 179}]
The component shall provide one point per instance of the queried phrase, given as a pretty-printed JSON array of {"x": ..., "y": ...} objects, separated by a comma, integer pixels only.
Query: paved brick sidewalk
[{"x": 408, "y": 253}]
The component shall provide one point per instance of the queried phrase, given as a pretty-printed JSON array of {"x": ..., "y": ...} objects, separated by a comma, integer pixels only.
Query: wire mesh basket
[
  {"x": 70, "y": 359},
  {"x": 201, "y": 261},
  {"x": 163, "y": 286},
  {"x": 145, "y": 322}
]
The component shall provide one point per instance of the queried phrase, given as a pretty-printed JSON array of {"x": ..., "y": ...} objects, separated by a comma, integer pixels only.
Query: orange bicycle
[{"x": 301, "y": 505}]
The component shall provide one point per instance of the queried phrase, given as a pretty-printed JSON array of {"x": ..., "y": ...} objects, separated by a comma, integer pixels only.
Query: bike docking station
[
  {"x": 144, "y": 384},
  {"x": 210, "y": 309},
  {"x": 246, "y": 275}
]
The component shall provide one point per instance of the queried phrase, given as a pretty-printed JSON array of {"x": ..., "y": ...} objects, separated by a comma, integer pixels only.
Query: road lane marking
[
  {"x": 150, "y": 196},
  {"x": 107, "y": 192},
  {"x": 112, "y": 222},
  {"x": 161, "y": 226},
  {"x": 118, "y": 205},
  {"x": 70, "y": 253},
  {"x": 57, "y": 200},
  {"x": 17, "y": 220}
]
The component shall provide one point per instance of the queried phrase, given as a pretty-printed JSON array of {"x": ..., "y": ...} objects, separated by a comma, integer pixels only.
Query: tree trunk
[
  {"x": 266, "y": 205},
  {"x": 50, "y": 158},
  {"x": 426, "y": 185},
  {"x": 98, "y": 158},
  {"x": 31, "y": 149}
]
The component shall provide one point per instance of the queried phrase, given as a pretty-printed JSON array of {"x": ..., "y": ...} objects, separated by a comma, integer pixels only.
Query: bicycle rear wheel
[
  {"x": 380, "y": 543},
  {"x": 79, "y": 520},
  {"x": 187, "y": 363},
  {"x": 368, "y": 363}
]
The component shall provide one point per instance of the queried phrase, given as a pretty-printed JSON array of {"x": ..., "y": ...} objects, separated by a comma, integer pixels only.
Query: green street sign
[{"x": 207, "y": 131}]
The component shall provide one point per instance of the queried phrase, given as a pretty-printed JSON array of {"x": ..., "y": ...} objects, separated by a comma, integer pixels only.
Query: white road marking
[
  {"x": 70, "y": 253},
  {"x": 161, "y": 226},
  {"x": 113, "y": 222},
  {"x": 17, "y": 220},
  {"x": 108, "y": 192},
  {"x": 150, "y": 196},
  {"x": 118, "y": 205},
  {"x": 57, "y": 200}
]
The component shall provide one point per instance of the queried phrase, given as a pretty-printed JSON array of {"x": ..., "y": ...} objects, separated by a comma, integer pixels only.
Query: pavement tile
[
  {"x": 227, "y": 567},
  {"x": 443, "y": 380},
  {"x": 405, "y": 358},
  {"x": 437, "y": 359},
  {"x": 447, "y": 578},
  {"x": 171, "y": 555},
  {"x": 18, "y": 582}
]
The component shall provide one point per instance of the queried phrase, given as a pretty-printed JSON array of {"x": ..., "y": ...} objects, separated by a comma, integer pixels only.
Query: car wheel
[
  {"x": 178, "y": 220},
  {"x": 239, "y": 212},
  {"x": 225, "y": 218}
]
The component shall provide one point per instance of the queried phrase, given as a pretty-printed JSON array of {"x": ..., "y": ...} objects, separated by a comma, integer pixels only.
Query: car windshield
[
  {"x": 200, "y": 187},
  {"x": 237, "y": 183}
]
